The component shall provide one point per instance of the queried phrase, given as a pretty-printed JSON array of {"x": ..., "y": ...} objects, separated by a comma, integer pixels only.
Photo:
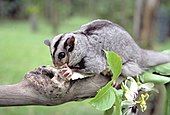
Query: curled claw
[
  {"x": 117, "y": 84},
  {"x": 65, "y": 72},
  {"x": 68, "y": 73}
]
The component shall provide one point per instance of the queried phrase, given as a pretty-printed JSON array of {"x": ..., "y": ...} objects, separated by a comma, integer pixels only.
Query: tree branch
[{"x": 43, "y": 86}]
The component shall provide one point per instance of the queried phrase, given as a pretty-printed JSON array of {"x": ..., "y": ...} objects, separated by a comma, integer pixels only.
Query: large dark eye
[{"x": 61, "y": 55}]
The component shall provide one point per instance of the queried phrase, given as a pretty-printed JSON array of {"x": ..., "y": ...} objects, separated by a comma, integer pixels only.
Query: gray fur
[{"x": 94, "y": 37}]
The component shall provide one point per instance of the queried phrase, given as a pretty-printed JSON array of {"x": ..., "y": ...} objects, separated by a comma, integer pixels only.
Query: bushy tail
[{"x": 153, "y": 58}]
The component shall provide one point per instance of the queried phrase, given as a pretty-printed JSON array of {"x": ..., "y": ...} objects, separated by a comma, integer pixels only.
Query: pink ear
[
  {"x": 47, "y": 42},
  {"x": 70, "y": 41}
]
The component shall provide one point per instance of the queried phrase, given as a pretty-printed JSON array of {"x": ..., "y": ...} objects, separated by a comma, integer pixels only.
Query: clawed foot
[
  {"x": 65, "y": 72},
  {"x": 118, "y": 82}
]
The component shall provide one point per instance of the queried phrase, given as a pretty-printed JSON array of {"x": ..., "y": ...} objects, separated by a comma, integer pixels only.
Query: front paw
[
  {"x": 107, "y": 72},
  {"x": 65, "y": 72},
  {"x": 118, "y": 82}
]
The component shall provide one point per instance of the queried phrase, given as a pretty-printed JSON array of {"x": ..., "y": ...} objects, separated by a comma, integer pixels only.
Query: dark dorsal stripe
[
  {"x": 56, "y": 45},
  {"x": 92, "y": 28},
  {"x": 100, "y": 25}
]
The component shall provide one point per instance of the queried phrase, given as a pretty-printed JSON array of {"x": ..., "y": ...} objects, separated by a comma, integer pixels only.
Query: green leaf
[
  {"x": 163, "y": 69},
  {"x": 109, "y": 111},
  {"x": 115, "y": 63},
  {"x": 105, "y": 98},
  {"x": 166, "y": 51},
  {"x": 118, "y": 101},
  {"x": 149, "y": 77}
]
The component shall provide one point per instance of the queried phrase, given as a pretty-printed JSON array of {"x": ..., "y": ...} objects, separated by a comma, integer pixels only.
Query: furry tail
[{"x": 153, "y": 58}]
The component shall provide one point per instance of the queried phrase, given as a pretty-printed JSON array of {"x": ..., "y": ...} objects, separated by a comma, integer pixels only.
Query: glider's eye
[{"x": 61, "y": 55}]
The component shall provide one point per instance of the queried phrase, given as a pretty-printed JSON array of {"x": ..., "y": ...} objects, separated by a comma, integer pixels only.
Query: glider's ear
[
  {"x": 47, "y": 42},
  {"x": 71, "y": 41},
  {"x": 69, "y": 44}
]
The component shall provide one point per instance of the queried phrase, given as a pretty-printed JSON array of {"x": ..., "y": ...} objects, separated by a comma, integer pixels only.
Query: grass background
[{"x": 21, "y": 51}]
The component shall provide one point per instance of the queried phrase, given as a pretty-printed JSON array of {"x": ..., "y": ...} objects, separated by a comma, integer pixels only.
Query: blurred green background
[{"x": 24, "y": 24}]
